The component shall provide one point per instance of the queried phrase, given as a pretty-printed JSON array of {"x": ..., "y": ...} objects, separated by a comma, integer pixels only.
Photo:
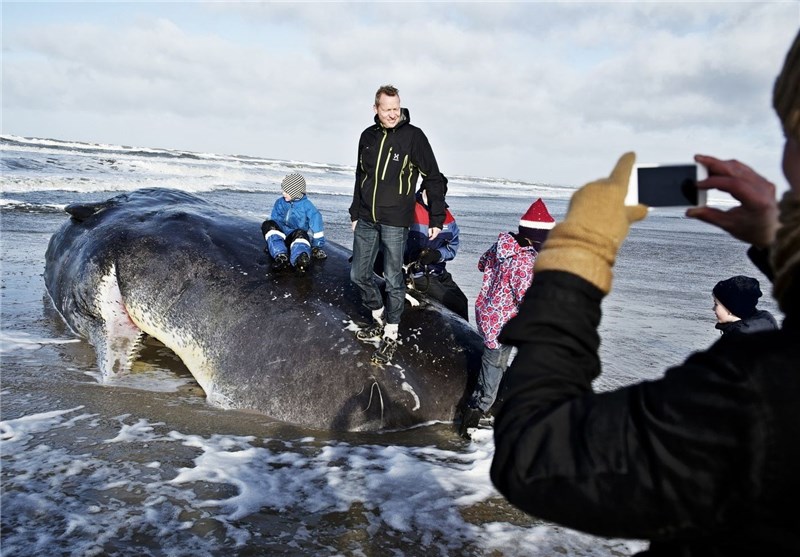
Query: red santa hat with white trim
[{"x": 537, "y": 222}]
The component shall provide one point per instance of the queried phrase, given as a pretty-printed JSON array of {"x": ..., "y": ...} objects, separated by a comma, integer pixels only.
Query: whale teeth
[
  {"x": 118, "y": 339},
  {"x": 135, "y": 349}
]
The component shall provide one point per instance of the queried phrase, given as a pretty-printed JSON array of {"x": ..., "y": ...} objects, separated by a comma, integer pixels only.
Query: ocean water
[{"x": 144, "y": 466}]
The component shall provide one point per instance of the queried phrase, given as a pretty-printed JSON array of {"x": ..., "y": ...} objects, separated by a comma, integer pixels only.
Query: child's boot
[
  {"x": 301, "y": 265},
  {"x": 280, "y": 262}
]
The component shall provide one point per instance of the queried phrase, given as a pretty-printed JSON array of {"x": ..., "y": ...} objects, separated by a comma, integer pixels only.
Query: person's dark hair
[{"x": 388, "y": 90}]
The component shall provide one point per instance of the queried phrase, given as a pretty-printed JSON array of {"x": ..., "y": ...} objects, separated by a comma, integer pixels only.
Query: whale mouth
[
  {"x": 120, "y": 338},
  {"x": 117, "y": 339}
]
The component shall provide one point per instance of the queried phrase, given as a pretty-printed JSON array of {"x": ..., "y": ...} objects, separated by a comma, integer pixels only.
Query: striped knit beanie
[
  {"x": 295, "y": 185},
  {"x": 786, "y": 99}
]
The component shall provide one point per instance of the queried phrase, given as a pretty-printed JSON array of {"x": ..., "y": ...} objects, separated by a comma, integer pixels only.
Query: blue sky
[{"x": 543, "y": 92}]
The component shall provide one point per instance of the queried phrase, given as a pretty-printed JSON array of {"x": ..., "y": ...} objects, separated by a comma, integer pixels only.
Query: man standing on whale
[{"x": 391, "y": 155}]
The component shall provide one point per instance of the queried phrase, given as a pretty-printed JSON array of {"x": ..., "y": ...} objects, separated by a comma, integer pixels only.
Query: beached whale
[{"x": 194, "y": 275}]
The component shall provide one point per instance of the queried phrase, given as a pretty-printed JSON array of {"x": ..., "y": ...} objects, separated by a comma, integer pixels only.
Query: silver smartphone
[{"x": 667, "y": 185}]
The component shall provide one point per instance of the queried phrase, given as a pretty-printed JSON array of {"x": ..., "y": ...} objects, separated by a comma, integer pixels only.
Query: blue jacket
[
  {"x": 299, "y": 214},
  {"x": 446, "y": 243}
]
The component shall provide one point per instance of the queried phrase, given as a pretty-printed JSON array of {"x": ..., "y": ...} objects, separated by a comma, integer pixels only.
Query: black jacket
[
  {"x": 761, "y": 320},
  {"x": 702, "y": 462},
  {"x": 389, "y": 164}
]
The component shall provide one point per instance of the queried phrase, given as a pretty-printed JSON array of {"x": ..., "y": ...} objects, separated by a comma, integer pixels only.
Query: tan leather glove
[{"x": 586, "y": 242}]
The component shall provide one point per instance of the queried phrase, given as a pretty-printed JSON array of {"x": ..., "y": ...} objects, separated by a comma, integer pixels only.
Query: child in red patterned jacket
[{"x": 507, "y": 269}]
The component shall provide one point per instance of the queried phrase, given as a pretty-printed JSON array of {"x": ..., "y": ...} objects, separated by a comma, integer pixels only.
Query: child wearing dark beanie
[{"x": 735, "y": 302}]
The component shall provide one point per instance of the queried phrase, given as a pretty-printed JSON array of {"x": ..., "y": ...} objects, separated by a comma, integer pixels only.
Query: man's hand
[
  {"x": 433, "y": 232},
  {"x": 755, "y": 221}
]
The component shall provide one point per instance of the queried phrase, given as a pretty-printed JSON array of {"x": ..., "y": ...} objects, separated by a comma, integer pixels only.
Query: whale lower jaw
[
  {"x": 116, "y": 338},
  {"x": 119, "y": 332},
  {"x": 118, "y": 335},
  {"x": 184, "y": 346}
]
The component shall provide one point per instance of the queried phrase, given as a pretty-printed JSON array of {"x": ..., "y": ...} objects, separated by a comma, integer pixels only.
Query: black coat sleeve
[
  {"x": 432, "y": 179},
  {"x": 653, "y": 460},
  {"x": 356, "y": 203}
]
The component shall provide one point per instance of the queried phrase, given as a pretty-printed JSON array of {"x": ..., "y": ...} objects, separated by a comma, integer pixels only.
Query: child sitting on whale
[{"x": 294, "y": 232}]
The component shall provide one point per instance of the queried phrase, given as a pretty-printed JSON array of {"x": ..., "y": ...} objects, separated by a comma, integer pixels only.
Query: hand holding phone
[
  {"x": 667, "y": 185},
  {"x": 755, "y": 220}
]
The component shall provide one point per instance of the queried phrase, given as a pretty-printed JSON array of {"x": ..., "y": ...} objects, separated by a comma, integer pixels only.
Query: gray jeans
[{"x": 493, "y": 365}]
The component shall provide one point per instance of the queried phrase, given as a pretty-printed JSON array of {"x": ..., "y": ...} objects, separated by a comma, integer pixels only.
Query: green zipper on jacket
[
  {"x": 386, "y": 164},
  {"x": 400, "y": 181},
  {"x": 377, "y": 167}
]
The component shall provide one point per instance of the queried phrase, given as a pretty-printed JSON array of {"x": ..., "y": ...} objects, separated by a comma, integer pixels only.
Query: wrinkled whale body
[{"x": 194, "y": 275}]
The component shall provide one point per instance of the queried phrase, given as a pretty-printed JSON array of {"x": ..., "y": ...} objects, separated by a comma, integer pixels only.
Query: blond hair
[
  {"x": 786, "y": 99},
  {"x": 388, "y": 90}
]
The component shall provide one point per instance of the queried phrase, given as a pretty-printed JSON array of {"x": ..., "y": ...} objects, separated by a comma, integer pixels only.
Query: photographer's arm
[{"x": 627, "y": 463}]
